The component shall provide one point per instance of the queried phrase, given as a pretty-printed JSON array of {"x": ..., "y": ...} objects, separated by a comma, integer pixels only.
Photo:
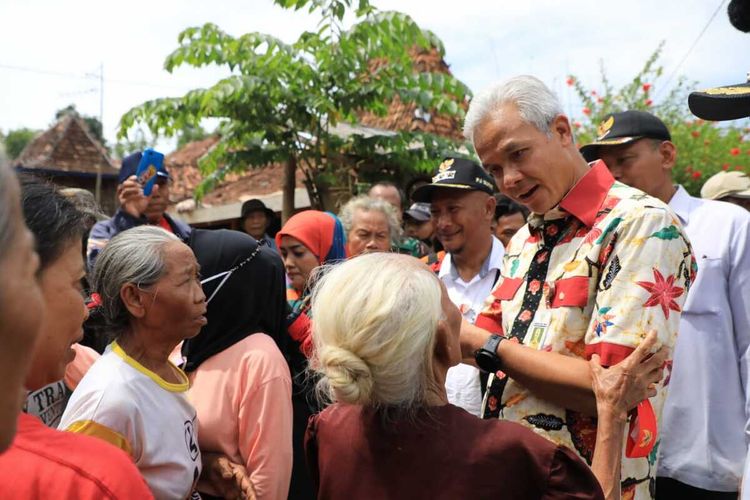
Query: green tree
[
  {"x": 703, "y": 148},
  {"x": 283, "y": 103},
  {"x": 16, "y": 140},
  {"x": 189, "y": 134},
  {"x": 140, "y": 141}
]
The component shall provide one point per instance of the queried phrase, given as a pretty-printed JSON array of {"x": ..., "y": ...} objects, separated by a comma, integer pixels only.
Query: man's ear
[
  {"x": 490, "y": 207},
  {"x": 133, "y": 299},
  {"x": 560, "y": 128},
  {"x": 668, "y": 153}
]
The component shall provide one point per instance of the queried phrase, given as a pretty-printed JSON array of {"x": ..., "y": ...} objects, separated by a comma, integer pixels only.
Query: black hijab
[{"x": 251, "y": 300}]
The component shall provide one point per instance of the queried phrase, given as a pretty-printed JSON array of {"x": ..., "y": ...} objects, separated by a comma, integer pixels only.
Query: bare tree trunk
[{"x": 289, "y": 185}]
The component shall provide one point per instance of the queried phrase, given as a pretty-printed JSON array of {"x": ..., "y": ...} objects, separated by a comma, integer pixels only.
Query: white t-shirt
[
  {"x": 124, "y": 403},
  {"x": 462, "y": 381}
]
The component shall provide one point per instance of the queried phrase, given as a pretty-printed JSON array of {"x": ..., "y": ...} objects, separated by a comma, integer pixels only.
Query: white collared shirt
[
  {"x": 705, "y": 426},
  {"x": 462, "y": 382}
]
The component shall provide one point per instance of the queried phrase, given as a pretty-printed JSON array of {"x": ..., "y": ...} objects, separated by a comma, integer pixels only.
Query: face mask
[{"x": 226, "y": 274}]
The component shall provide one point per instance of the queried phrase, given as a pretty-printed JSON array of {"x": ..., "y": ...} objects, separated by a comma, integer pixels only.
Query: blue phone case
[{"x": 151, "y": 163}]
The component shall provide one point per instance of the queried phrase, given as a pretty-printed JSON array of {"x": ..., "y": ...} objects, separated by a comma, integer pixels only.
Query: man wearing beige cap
[{"x": 732, "y": 187}]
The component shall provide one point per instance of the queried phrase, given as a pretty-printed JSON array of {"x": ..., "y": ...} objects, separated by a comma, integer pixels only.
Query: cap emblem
[
  {"x": 728, "y": 91},
  {"x": 604, "y": 128}
]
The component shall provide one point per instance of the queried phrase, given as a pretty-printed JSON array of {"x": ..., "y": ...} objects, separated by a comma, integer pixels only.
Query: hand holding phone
[{"x": 152, "y": 162}]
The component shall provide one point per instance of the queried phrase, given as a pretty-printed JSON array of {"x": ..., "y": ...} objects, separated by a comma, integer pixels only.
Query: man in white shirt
[
  {"x": 462, "y": 207},
  {"x": 706, "y": 420}
]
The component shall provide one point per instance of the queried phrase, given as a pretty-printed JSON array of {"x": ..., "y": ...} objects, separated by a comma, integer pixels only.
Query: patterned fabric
[{"x": 611, "y": 264}]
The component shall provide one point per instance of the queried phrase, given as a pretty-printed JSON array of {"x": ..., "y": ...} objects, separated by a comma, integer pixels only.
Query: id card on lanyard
[{"x": 538, "y": 330}]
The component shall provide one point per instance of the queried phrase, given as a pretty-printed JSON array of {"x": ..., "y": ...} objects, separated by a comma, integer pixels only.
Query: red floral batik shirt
[{"x": 593, "y": 275}]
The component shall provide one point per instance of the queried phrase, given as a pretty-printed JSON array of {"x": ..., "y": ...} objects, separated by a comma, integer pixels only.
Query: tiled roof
[
  {"x": 66, "y": 147},
  {"x": 183, "y": 168},
  {"x": 403, "y": 116}
]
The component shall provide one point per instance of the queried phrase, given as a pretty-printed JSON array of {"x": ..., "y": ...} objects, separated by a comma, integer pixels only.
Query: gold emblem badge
[
  {"x": 605, "y": 127},
  {"x": 728, "y": 91},
  {"x": 445, "y": 165}
]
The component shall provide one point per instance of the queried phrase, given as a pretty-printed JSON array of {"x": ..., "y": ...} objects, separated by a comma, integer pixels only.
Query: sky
[{"x": 53, "y": 51}]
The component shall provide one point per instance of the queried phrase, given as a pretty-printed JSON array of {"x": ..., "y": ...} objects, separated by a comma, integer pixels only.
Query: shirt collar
[
  {"x": 585, "y": 199},
  {"x": 493, "y": 262},
  {"x": 681, "y": 203}
]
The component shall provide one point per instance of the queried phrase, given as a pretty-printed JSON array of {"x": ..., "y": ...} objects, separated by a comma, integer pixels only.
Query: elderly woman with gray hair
[
  {"x": 391, "y": 433},
  {"x": 148, "y": 286},
  {"x": 370, "y": 225}
]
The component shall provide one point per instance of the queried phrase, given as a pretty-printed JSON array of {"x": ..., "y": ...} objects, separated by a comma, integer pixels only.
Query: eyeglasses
[{"x": 226, "y": 274}]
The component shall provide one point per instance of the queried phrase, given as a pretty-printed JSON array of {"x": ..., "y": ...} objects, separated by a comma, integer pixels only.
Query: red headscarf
[{"x": 314, "y": 229}]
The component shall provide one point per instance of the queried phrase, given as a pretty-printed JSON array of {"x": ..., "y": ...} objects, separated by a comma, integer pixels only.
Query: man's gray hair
[
  {"x": 134, "y": 256},
  {"x": 536, "y": 103},
  {"x": 366, "y": 204}
]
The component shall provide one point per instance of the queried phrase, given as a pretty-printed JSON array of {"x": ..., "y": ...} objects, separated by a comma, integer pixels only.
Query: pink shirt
[{"x": 243, "y": 396}]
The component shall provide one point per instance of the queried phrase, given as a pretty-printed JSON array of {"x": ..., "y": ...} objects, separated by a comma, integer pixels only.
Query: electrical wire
[{"x": 690, "y": 50}]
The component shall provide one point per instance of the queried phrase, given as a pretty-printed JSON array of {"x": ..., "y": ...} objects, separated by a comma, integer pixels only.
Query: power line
[
  {"x": 88, "y": 76},
  {"x": 690, "y": 50}
]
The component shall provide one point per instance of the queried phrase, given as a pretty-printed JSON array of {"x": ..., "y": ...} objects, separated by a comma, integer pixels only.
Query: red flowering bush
[{"x": 703, "y": 148}]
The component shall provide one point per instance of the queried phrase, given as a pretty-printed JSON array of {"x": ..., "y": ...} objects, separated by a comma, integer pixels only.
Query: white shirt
[
  {"x": 704, "y": 431},
  {"x": 462, "y": 381},
  {"x": 125, "y": 404}
]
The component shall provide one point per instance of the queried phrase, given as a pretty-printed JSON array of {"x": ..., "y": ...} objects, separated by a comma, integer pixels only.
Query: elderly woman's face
[
  {"x": 369, "y": 233},
  {"x": 65, "y": 314},
  {"x": 21, "y": 312},
  {"x": 177, "y": 305}
]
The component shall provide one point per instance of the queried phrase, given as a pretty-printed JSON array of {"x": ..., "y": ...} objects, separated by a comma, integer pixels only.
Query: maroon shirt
[{"x": 446, "y": 453}]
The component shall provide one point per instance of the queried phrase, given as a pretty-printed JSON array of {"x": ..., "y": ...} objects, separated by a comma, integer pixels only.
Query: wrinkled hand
[
  {"x": 224, "y": 478},
  {"x": 622, "y": 386},
  {"x": 131, "y": 197}
]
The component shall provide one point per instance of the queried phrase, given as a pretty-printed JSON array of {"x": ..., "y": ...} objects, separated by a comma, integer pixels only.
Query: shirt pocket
[
  {"x": 706, "y": 293},
  {"x": 570, "y": 292},
  {"x": 507, "y": 289}
]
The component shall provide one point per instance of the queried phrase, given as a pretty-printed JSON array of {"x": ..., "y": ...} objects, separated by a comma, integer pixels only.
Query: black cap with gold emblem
[
  {"x": 721, "y": 103},
  {"x": 456, "y": 173},
  {"x": 625, "y": 127}
]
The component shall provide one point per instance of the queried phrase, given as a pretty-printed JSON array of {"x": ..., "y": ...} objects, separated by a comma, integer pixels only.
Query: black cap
[
  {"x": 130, "y": 166},
  {"x": 255, "y": 205},
  {"x": 420, "y": 212},
  {"x": 721, "y": 103},
  {"x": 625, "y": 127},
  {"x": 456, "y": 173}
]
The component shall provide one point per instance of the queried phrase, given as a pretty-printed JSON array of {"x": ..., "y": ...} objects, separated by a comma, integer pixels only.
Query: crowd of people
[{"x": 548, "y": 322}]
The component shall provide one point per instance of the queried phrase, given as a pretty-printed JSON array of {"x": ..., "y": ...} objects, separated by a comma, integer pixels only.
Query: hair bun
[{"x": 349, "y": 377}]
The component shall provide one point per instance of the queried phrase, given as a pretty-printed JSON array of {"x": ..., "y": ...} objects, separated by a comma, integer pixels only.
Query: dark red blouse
[{"x": 443, "y": 453}]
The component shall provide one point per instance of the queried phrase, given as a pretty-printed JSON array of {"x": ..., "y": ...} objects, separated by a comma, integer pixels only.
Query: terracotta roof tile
[
  {"x": 66, "y": 147},
  {"x": 403, "y": 116},
  {"x": 183, "y": 168}
]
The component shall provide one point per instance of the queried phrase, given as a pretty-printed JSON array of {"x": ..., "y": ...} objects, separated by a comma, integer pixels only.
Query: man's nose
[{"x": 511, "y": 177}]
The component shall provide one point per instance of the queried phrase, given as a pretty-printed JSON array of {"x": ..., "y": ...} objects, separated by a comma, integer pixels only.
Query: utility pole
[{"x": 98, "y": 190}]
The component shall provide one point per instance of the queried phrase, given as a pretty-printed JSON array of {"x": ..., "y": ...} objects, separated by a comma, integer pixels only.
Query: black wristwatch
[{"x": 486, "y": 357}]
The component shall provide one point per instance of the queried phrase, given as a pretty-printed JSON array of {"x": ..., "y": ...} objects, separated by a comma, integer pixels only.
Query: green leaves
[{"x": 279, "y": 100}]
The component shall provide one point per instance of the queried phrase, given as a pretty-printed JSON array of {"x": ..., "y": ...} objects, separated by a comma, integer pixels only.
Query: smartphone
[{"x": 151, "y": 163}]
